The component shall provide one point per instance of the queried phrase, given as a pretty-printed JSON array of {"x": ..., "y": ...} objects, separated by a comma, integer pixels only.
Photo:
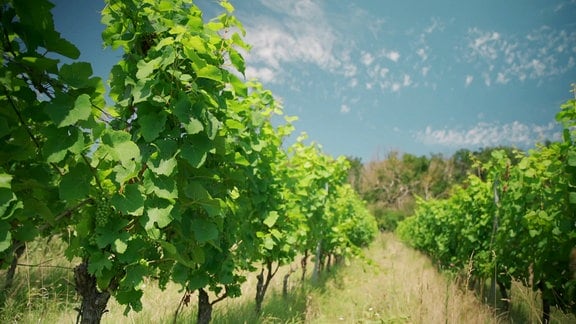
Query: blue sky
[{"x": 366, "y": 77}]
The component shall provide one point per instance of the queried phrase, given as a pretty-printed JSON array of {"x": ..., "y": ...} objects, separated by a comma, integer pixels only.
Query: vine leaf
[
  {"x": 210, "y": 72},
  {"x": 152, "y": 123},
  {"x": 5, "y": 236},
  {"x": 123, "y": 148},
  {"x": 196, "y": 150},
  {"x": 61, "y": 140},
  {"x": 271, "y": 219},
  {"x": 64, "y": 112},
  {"x": 131, "y": 202},
  {"x": 76, "y": 183},
  {"x": 204, "y": 230},
  {"x": 159, "y": 215},
  {"x": 76, "y": 74}
]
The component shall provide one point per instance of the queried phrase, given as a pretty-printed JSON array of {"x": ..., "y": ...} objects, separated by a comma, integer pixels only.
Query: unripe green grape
[{"x": 103, "y": 211}]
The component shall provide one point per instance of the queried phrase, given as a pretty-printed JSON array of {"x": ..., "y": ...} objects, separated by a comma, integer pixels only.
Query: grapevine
[{"x": 515, "y": 224}]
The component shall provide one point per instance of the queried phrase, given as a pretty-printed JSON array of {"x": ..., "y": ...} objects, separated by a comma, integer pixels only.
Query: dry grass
[{"x": 401, "y": 286}]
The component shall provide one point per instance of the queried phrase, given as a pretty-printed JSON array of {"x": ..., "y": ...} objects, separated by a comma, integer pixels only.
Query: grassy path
[{"x": 401, "y": 287}]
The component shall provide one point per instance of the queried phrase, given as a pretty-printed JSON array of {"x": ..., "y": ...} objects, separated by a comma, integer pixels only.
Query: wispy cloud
[
  {"x": 486, "y": 134},
  {"x": 366, "y": 58},
  {"x": 302, "y": 34},
  {"x": 543, "y": 52},
  {"x": 392, "y": 55}
]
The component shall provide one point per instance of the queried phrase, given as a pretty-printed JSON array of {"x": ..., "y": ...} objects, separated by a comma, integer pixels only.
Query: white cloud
[
  {"x": 349, "y": 70},
  {"x": 264, "y": 74},
  {"x": 353, "y": 83},
  {"x": 501, "y": 78},
  {"x": 486, "y": 134},
  {"x": 541, "y": 53},
  {"x": 436, "y": 24},
  {"x": 485, "y": 44},
  {"x": 366, "y": 58},
  {"x": 393, "y": 56},
  {"x": 425, "y": 70},
  {"x": 469, "y": 79},
  {"x": 301, "y": 35},
  {"x": 344, "y": 109},
  {"x": 384, "y": 72},
  {"x": 422, "y": 53},
  {"x": 407, "y": 80},
  {"x": 487, "y": 80}
]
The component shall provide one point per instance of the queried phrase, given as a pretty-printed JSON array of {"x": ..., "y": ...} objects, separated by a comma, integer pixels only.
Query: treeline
[{"x": 391, "y": 185}]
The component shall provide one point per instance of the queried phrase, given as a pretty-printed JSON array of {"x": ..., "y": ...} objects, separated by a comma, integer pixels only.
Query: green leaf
[
  {"x": 241, "y": 159},
  {"x": 227, "y": 6},
  {"x": 237, "y": 60},
  {"x": 58, "y": 109},
  {"x": 151, "y": 123},
  {"x": 6, "y": 180},
  {"x": 197, "y": 192},
  {"x": 119, "y": 246},
  {"x": 572, "y": 157},
  {"x": 9, "y": 204},
  {"x": 76, "y": 183},
  {"x": 135, "y": 274},
  {"x": 212, "y": 126},
  {"x": 193, "y": 126},
  {"x": 41, "y": 63},
  {"x": 194, "y": 45},
  {"x": 121, "y": 144},
  {"x": 131, "y": 298},
  {"x": 204, "y": 230},
  {"x": 268, "y": 243},
  {"x": 239, "y": 87},
  {"x": 159, "y": 215},
  {"x": 60, "y": 141},
  {"x": 197, "y": 281},
  {"x": 210, "y": 72},
  {"x": 27, "y": 232},
  {"x": 76, "y": 74},
  {"x": 163, "y": 162},
  {"x": 162, "y": 186},
  {"x": 98, "y": 261},
  {"x": 572, "y": 197},
  {"x": 81, "y": 111},
  {"x": 234, "y": 124},
  {"x": 5, "y": 236},
  {"x": 173, "y": 252},
  {"x": 271, "y": 218},
  {"x": 62, "y": 46},
  {"x": 103, "y": 281},
  {"x": 184, "y": 111},
  {"x": 131, "y": 202},
  {"x": 146, "y": 68},
  {"x": 122, "y": 173},
  {"x": 195, "y": 150}
]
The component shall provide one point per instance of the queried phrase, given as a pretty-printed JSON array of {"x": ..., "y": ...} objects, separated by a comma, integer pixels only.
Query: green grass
[{"x": 399, "y": 286}]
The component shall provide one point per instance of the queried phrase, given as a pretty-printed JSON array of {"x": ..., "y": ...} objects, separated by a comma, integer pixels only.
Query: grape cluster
[{"x": 103, "y": 211}]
